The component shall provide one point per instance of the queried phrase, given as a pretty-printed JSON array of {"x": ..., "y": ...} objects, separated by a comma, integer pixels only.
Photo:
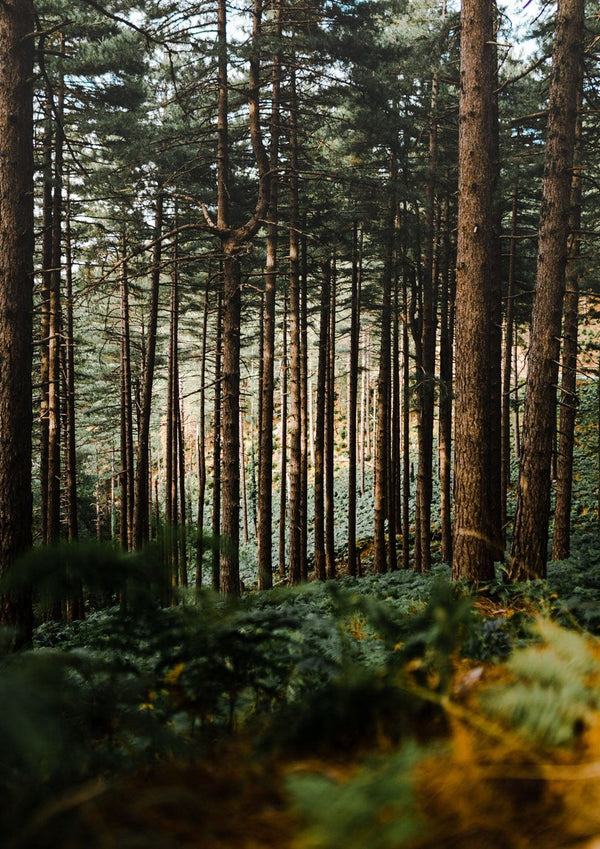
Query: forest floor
[{"x": 396, "y": 711}]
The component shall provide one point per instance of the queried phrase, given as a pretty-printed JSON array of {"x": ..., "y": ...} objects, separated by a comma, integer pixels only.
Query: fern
[{"x": 555, "y": 688}]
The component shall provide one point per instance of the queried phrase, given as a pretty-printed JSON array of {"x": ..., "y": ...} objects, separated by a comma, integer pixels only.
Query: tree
[
  {"x": 529, "y": 551},
  {"x": 474, "y": 532},
  {"x": 16, "y": 268}
]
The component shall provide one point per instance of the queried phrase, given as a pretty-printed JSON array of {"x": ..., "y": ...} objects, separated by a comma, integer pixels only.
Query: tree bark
[
  {"x": 529, "y": 552},
  {"x": 353, "y": 395},
  {"x": 329, "y": 454},
  {"x": 319, "y": 474},
  {"x": 561, "y": 543},
  {"x": 142, "y": 499},
  {"x": 16, "y": 302},
  {"x": 474, "y": 533}
]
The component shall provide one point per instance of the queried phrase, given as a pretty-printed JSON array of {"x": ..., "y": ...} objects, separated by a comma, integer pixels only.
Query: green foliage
[
  {"x": 555, "y": 687},
  {"x": 374, "y": 807}
]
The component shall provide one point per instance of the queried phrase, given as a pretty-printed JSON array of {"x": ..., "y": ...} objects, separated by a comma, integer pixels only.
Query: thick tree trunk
[
  {"x": 529, "y": 552},
  {"x": 474, "y": 534},
  {"x": 16, "y": 269}
]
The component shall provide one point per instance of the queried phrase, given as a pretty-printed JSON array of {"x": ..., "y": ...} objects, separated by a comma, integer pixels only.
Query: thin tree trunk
[
  {"x": 329, "y": 453},
  {"x": 266, "y": 402},
  {"x": 353, "y": 395},
  {"x": 283, "y": 444},
  {"x": 304, "y": 431},
  {"x": 55, "y": 334},
  {"x": 295, "y": 407},
  {"x": 216, "y": 493},
  {"x": 201, "y": 443},
  {"x": 561, "y": 543},
  {"x": 126, "y": 472},
  {"x": 45, "y": 314},
  {"x": 143, "y": 495},
  {"x": 319, "y": 465},
  {"x": 445, "y": 392},
  {"x": 508, "y": 356},
  {"x": 382, "y": 438}
]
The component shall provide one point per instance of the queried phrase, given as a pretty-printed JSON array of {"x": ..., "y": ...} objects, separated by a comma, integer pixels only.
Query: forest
[{"x": 300, "y": 424}]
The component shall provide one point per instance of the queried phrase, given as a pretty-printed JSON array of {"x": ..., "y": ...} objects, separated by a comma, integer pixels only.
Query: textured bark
[
  {"x": 232, "y": 243},
  {"x": 474, "y": 546},
  {"x": 529, "y": 552},
  {"x": 568, "y": 387},
  {"x": 16, "y": 268}
]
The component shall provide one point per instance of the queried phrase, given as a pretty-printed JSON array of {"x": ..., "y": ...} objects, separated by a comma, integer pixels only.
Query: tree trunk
[
  {"x": 55, "y": 335},
  {"x": 474, "y": 534},
  {"x": 353, "y": 396},
  {"x": 295, "y": 406},
  {"x": 16, "y": 306},
  {"x": 216, "y": 493},
  {"x": 330, "y": 431},
  {"x": 319, "y": 474},
  {"x": 265, "y": 451},
  {"x": 508, "y": 353},
  {"x": 142, "y": 500},
  {"x": 529, "y": 552},
  {"x": 382, "y": 439},
  {"x": 568, "y": 387},
  {"x": 283, "y": 467},
  {"x": 445, "y": 392},
  {"x": 201, "y": 443},
  {"x": 126, "y": 429}
]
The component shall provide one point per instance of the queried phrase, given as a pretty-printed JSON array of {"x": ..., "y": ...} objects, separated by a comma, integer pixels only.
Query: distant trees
[{"x": 248, "y": 288}]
